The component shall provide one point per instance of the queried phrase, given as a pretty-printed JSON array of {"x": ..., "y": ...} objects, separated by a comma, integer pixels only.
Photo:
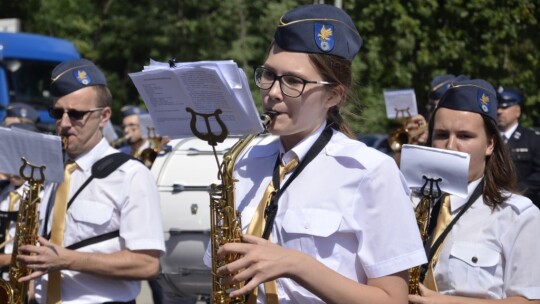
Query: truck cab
[{"x": 26, "y": 63}]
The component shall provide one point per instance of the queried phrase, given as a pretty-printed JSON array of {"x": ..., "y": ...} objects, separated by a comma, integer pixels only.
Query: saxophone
[
  {"x": 225, "y": 220},
  {"x": 12, "y": 291},
  {"x": 422, "y": 213},
  {"x": 422, "y": 218}
]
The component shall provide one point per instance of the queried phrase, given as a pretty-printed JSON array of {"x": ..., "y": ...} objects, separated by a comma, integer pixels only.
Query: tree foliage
[{"x": 406, "y": 43}]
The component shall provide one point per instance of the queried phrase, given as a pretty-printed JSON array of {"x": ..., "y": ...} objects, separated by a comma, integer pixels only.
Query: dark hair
[
  {"x": 500, "y": 173},
  {"x": 104, "y": 96},
  {"x": 339, "y": 71}
]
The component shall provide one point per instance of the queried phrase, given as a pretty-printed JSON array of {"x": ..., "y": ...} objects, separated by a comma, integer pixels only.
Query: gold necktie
[
  {"x": 444, "y": 218},
  {"x": 256, "y": 227},
  {"x": 13, "y": 199},
  {"x": 54, "y": 290}
]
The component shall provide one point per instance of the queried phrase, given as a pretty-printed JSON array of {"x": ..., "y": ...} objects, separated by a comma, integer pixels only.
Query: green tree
[{"x": 406, "y": 43}]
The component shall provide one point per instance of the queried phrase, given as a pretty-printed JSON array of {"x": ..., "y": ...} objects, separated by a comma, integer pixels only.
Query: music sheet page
[{"x": 206, "y": 88}]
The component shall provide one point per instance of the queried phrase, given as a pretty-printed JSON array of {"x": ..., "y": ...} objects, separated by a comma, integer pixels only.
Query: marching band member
[
  {"x": 490, "y": 253},
  {"x": 114, "y": 250},
  {"x": 331, "y": 241}
]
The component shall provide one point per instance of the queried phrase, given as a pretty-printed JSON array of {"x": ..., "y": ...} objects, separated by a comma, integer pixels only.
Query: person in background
[
  {"x": 489, "y": 254},
  {"x": 110, "y": 251},
  {"x": 329, "y": 237},
  {"x": 10, "y": 197},
  {"x": 135, "y": 139},
  {"x": 523, "y": 143},
  {"x": 20, "y": 115},
  {"x": 439, "y": 85}
]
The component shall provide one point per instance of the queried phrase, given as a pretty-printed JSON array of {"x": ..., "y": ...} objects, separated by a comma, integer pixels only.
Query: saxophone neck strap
[
  {"x": 474, "y": 196},
  {"x": 315, "y": 149},
  {"x": 100, "y": 169}
]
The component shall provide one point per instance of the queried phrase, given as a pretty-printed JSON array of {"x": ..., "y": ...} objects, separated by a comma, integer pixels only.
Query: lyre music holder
[
  {"x": 31, "y": 178},
  {"x": 210, "y": 137},
  {"x": 430, "y": 192},
  {"x": 402, "y": 113}
]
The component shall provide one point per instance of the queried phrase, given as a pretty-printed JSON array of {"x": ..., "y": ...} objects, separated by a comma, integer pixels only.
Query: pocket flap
[
  {"x": 91, "y": 212},
  {"x": 318, "y": 222},
  {"x": 475, "y": 254}
]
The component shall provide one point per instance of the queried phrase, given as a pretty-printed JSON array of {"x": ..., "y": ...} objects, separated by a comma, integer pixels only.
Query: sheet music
[
  {"x": 451, "y": 166},
  {"x": 39, "y": 149},
  {"x": 146, "y": 124},
  {"x": 400, "y": 103},
  {"x": 205, "y": 87}
]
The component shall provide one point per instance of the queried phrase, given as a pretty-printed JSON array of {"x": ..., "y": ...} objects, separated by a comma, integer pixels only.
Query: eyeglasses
[
  {"x": 292, "y": 86},
  {"x": 58, "y": 113}
]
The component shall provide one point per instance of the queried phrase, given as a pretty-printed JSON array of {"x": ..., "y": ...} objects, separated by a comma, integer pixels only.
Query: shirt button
[
  {"x": 306, "y": 225},
  {"x": 474, "y": 259}
]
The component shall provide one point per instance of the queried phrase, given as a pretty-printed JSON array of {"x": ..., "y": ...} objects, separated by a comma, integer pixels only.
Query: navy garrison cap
[
  {"x": 509, "y": 97},
  {"x": 471, "y": 95},
  {"x": 439, "y": 85},
  {"x": 70, "y": 76},
  {"x": 318, "y": 28},
  {"x": 22, "y": 110},
  {"x": 131, "y": 110}
]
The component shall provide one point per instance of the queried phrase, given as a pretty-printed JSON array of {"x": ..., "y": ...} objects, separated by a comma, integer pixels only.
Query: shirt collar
[
  {"x": 457, "y": 202},
  {"x": 300, "y": 150},
  {"x": 509, "y": 132},
  {"x": 88, "y": 159}
]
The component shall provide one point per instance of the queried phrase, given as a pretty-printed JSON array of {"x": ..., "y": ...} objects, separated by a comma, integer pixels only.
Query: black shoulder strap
[
  {"x": 101, "y": 169},
  {"x": 271, "y": 209},
  {"x": 474, "y": 196},
  {"x": 94, "y": 240}
]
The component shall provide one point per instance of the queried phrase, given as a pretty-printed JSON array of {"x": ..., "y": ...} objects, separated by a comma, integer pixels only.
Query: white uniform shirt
[
  {"x": 126, "y": 200},
  {"x": 349, "y": 209},
  {"x": 4, "y": 206},
  {"x": 491, "y": 254}
]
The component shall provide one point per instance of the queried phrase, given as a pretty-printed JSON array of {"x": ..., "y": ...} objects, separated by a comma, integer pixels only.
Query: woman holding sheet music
[
  {"x": 330, "y": 240},
  {"x": 488, "y": 248}
]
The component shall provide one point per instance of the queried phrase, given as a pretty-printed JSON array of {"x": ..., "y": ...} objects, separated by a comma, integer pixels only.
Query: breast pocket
[
  {"x": 315, "y": 222},
  {"x": 91, "y": 216},
  {"x": 473, "y": 267},
  {"x": 313, "y": 231}
]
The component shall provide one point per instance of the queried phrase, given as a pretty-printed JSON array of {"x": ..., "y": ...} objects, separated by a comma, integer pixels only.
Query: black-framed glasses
[
  {"x": 58, "y": 113},
  {"x": 292, "y": 86}
]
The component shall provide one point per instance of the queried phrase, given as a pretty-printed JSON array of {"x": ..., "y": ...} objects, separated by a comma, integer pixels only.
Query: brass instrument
[
  {"x": 120, "y": 141},
  {"x": 148, "y": 155},
  {"x": 422, "y": 218},
  {"x": 402, "y": 136},
  {"x": 12, "y": 291},
  {"x": 422, "y": 213},
  {"x": 225, "y": 220}
]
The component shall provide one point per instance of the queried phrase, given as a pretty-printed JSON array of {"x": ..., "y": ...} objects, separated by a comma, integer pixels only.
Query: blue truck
[{"x": 26, "y": 63}]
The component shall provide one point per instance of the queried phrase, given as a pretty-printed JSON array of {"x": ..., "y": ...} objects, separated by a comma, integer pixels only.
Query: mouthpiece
[
  {"x": 267, "y": 118},
  {"x": 64, "y": 142}
]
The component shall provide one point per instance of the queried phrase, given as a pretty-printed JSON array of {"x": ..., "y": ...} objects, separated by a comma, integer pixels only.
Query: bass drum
[{"x": 184, "y": 176}]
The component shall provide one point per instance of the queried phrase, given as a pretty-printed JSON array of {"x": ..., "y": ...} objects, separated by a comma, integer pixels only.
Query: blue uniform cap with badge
[
  {"x": 471, "y": 95},
  {"x": 70, "y": 76},
  {"x": 21, "y": 110},
  {"x": 318, "y": 28},
  {"x": 508, "y": 97},
  {"x": 131, "y": 110},
  {"x": 439, "y": 85}
]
